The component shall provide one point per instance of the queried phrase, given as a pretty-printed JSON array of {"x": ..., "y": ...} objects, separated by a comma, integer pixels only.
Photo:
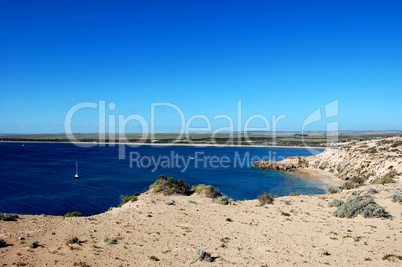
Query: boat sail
[{"x": 76, "y": 170}]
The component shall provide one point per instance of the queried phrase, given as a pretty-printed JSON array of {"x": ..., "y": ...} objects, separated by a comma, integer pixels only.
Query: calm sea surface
[{"x": 39, "y": 178}]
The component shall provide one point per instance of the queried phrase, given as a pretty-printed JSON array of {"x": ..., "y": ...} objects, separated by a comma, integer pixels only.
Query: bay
[{"x": 38, "y": 178}]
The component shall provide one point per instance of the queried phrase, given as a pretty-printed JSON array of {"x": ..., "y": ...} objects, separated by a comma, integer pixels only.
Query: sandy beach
[{"x": 323, "y": 176}]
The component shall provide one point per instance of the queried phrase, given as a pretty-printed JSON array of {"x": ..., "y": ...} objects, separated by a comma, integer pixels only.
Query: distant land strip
[{"x": 313, "y": 139}]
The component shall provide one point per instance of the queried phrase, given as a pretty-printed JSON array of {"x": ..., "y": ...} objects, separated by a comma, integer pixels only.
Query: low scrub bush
[
  {"x": 3, "y": 243},
  {"x": 266, "y": 198},
  {"x": 201, "y": 255},
  {"x": 332, "y": 190},
  {"x": 72, "y": 214},
  {"x": 33, "y": 244},
  {"x": 371, "y": 150},
  {"x": 207, "y": 190},
  {"x": 171, "y": 202},
  {"x": 126, "y": 199},
  {"x": 391, "y": 257},
  {"x": 364, "y": 205},
  {"x": 153, "y": 258},
  {"x": 387, "y": 178},
  {"x": 397, "y": 197},
  {"x": 81, "y": 264},
  {"x": 108, "y": 240},
  {"x": 293, "y": 194},
  {"x": 384, "y": 180},
  {"x": 168, "y": 186},
  {"x": 350, "y": 185},
  {"x": 8, "y": 217},
  {"x": 223, "y": 200},
  {"x": 396, "y": 144},
  {"x": 302, "y": 161},
  {"x": 370, "y": 191},
  {"x": 358, "y": 180},
  {"x": 335, "y": 203},
  {"x": 73, "y": 240}
]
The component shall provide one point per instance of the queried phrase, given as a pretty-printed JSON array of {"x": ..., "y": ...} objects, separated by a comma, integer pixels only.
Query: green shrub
[
  {"x": 180, "y": 183},
  {"x": 302, "y": 161},
  {"x": 384, "y": 180},
  {"x": 126, "y": 199},
  {"x": 387, "y": 178},
  {"x": 358, "y": 180},
  {"x": 266, "y": 198},
  {"x": 397, "y": 197},
  {"x": 198, "y": 188},
  {"x": 332, "y": 190},
  {"x": 207, "y": 190},
  {"x": 293, "y": 194},
  {"x": 8, "y": 217},
  {"x": 168, "y": 186},
  {"x": 108, "y": 240},
  {"x": 171, "y": 202},
  {"x": 72, "y": 214},
  {"x": 335, "y": 203},
  {"x": 354, "y": 182},
  {"x": 223, "y": 200},
  {"x": 371, "y": 191},
  {"x": 201, "y": 255},
  {"x": 364, "y": 205},
  {"x": 349, "y": 185}
]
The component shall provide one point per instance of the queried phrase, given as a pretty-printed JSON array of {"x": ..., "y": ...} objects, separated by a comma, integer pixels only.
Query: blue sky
[{"x": 278, "y": 58}]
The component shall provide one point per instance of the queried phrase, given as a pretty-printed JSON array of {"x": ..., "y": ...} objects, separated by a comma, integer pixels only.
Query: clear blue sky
[{"x": 282, "y": 57}]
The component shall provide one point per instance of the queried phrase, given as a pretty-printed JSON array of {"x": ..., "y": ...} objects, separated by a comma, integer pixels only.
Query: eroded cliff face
[{"x": 371, "y": 159}]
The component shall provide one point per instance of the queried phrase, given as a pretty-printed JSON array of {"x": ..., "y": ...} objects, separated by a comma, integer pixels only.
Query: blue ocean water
[{"x": 38, "y": 178}]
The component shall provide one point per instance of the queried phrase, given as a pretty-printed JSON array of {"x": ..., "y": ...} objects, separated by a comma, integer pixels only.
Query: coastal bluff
[{"x": 371, "y": 159}]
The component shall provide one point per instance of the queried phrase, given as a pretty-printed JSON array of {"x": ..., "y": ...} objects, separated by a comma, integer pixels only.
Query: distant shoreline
[{"x": 162, "y": 144}]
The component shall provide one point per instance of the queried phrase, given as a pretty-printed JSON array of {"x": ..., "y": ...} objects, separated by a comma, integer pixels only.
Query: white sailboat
[{"x": 76, "y": 170}]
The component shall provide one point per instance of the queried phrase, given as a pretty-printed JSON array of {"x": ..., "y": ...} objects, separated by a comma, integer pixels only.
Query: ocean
[{"x": 38, "y": 178}]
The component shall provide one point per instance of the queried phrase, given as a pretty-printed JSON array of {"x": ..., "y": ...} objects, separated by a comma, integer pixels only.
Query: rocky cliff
[{"x": 370, "y": 159}]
